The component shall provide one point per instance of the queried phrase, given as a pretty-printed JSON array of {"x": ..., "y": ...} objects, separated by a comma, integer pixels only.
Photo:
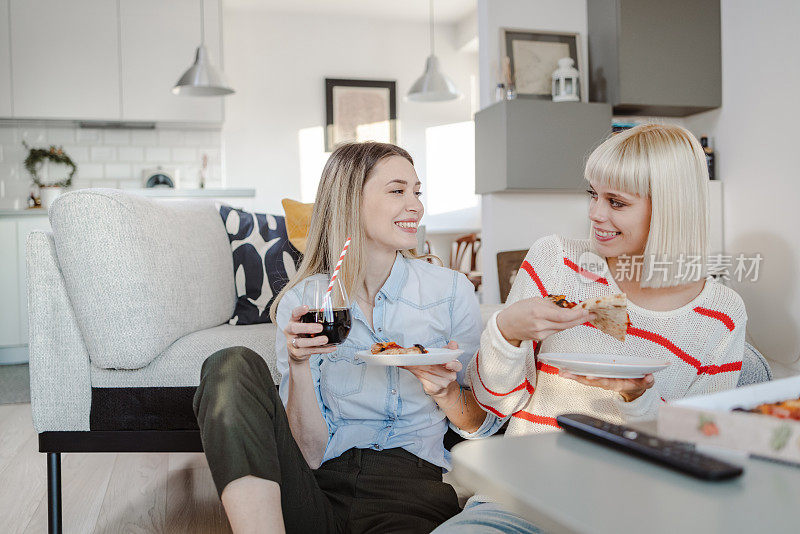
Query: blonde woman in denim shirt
[{"x": 351, "y": 447}]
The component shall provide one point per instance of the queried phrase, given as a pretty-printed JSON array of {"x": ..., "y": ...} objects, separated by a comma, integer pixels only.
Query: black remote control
[{"x": 676, "y": 455}]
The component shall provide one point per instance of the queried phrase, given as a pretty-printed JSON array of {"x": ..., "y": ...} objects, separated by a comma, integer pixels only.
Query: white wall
[
  {"x": 756, "y": 139},
  {"x": 513, "y": 221},
  {"x": 273, "y": 133}
]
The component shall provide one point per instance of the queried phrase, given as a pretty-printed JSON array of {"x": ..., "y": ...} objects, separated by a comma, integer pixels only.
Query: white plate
[
  {"x": 434, "y": 357},
  {"x": 603, "y": 365}
]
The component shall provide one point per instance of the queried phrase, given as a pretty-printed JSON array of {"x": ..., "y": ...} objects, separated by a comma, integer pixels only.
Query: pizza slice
[
  {"x": 391, "y": 347},
  {"x": 611, "y": 312}
]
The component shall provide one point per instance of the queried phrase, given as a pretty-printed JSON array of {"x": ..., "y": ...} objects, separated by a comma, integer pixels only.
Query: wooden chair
[
  {"x": 508, "y": 264},
  {"x": 467, "y": 244}
]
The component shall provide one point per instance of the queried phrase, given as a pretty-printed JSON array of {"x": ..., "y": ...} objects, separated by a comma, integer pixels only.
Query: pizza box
[{"x": 708, "y": 420}]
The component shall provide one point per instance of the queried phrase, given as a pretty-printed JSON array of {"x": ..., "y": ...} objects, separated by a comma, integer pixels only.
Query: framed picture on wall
[
  {"x": 534, "y": 56},
  {"x": 359, "y": 110}
]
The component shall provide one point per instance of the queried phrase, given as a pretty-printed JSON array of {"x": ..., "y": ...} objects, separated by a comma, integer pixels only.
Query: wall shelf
[{"x": 536, "y": 145}]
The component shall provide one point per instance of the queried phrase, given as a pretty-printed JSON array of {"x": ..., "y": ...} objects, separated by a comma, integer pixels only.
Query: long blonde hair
[
  {"x": 667, "y": 164},
  {"x": 337, "y": 216}
]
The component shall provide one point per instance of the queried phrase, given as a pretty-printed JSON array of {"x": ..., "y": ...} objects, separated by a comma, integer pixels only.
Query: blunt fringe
[{"x": 667, "y": 164}]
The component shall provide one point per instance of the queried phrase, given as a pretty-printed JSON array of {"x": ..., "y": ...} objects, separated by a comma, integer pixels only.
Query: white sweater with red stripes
[{"x": 704, "y": 340}]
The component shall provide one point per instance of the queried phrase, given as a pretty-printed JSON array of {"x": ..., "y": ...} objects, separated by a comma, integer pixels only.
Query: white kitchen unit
[
  {"x": 105, "y": 60},
  {"x": 151, "y": 66},
  {"x": 14, "y": 229},
  {"x": 65, "y": 59},
  {"x": 5, "y": 62}
]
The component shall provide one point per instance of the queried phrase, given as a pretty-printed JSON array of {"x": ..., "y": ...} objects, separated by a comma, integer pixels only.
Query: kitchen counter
[
  {"x": 24, "y": 213},
  {"x": 154, "y": 192},
  {"x": 193, "y": 193}
]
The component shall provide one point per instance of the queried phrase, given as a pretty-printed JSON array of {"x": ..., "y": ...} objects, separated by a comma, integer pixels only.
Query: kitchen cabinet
[
  {"x": 653, "y": 57},
  {"x": 151, "y": 66},
  {"x": 9, "y": 290},
  {"x": 26, "y": 225},
  {"x": 536, "y": 145},
  {"x": 5, "y": 60},
  {"x": 65, "y": 59},
  {"x": 14, "y": 230},
  {"x": 105, "y": 60}
]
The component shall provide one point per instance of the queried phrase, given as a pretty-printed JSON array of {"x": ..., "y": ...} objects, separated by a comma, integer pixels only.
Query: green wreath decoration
[{"x": 37, "y": 156}]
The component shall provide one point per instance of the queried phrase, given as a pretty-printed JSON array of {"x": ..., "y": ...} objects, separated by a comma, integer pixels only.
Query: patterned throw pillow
[{"x": 263, "y": 261}]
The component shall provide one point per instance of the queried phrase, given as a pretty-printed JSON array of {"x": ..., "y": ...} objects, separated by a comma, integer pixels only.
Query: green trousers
[{"x": 245, "y": 431}]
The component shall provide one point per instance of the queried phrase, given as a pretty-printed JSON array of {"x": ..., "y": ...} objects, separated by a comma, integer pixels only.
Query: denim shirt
[{"x": 370, "y": 406}]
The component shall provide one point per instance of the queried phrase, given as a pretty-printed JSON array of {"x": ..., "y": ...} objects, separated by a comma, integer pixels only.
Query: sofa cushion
[
  {"x": 180, "y": 364},
  {"x": 159, "y": 396},
  {"x": 141, "y": 273},
  {"x": 263, "y": 261},
  {"x": 298, "y": 221}
]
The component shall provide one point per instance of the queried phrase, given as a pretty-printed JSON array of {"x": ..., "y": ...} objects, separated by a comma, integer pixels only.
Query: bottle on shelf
[
  {"x": 500, "y": 92},
  {"x": 709, "y": 157},
  {"x": 511, "y": 92}
]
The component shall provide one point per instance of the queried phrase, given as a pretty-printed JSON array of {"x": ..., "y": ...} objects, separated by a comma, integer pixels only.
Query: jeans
[{"x": 486, "y": 518}]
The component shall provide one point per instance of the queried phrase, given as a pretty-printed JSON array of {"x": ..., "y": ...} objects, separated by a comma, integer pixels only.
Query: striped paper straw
[{"x": 336, "y": 270}]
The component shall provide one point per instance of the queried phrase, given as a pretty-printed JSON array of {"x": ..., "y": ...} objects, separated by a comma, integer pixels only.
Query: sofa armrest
[{"x": 59, "y": 362}]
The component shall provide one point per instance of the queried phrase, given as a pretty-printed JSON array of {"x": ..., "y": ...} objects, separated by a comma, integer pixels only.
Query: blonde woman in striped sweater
[{"x": 648, "y": 191}]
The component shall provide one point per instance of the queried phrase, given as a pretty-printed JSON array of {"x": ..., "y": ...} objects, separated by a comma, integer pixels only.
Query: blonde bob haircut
[
  {"x": 667, "y": 164},
  {"x": 337, "y": 216}
]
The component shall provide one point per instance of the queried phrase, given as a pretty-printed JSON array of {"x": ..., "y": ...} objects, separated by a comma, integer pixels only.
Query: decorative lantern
[{"x": 566, "y": 81}]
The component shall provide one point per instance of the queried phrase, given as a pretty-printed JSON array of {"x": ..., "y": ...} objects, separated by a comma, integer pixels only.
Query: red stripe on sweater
[
  {"x": 718, "y": 315},
  {"x": 716, "y": 369},
  {"x": 583, "y": 272},
  {"x": 525, "y": 385},
  {"x": 694, "y": 362},
  {"x": 482, "y": 405},
  {"x": 528, "y": 268},
  {"x": 666, "y": 343},
  {"x": 549, "y": 369},
  {"x": 538, "y": 419}
]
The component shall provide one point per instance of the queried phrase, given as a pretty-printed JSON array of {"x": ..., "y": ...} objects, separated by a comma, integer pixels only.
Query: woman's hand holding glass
[
  {"x": 302, "y": 348},
  {"x": 537, "y": 318}
]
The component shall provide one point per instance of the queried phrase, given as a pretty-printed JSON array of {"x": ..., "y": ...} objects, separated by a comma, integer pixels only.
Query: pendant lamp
[
  {"x": 202, "y": 78},
  {"x": 433, "y": 85}
]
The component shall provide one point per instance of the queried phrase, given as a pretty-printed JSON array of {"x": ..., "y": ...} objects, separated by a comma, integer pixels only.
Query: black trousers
[{"x": 245, "y": 431}]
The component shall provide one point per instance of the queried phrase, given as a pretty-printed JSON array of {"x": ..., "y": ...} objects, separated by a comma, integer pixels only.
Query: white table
[{"x": 566, "y": 484}]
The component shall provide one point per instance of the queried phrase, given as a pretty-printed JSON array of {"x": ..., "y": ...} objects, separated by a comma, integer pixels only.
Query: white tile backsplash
[
  {"x": 117, "y": 137},
  {"x": 104, "y": 153},
  {"x": 197, "y": 138},
  {"x": 90, "y": 170},
  {"x": 157, "y": 155},
  {"x": 61, "y": 136},
  {"x": 8, "y": 136},
  {"x": 111, "y": 184},
  {"x": 115, "y": 171},
  {"x": 130, "y": 153},
  {"x": 78, "y": 153},
  {"x": 87, "y": 136},
  {"x": 184, "y": 155},
  {"x": 171, "y": 137},
  {"x": 108, "y": 158},
  {"x": 34, "y": 136},
  {"x": 144, "y": 137}
]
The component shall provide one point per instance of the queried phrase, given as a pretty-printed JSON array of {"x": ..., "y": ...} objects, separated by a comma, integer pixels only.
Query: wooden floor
[{"x": 130, "y": 493}]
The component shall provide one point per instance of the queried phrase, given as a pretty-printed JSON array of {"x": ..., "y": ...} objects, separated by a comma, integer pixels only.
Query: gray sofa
[{"x": 127, "y": 297}]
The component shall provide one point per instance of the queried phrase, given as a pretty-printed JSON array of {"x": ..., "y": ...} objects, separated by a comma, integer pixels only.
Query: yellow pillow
[{"x": 298, "y": 220}]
